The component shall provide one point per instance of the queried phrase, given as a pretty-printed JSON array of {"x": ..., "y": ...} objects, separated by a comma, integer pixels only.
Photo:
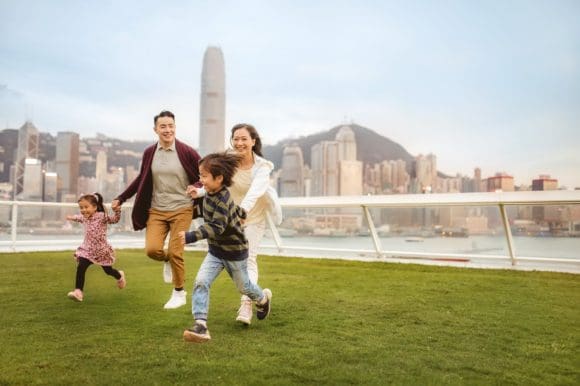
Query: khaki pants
[{"x": 160, "y": 224}]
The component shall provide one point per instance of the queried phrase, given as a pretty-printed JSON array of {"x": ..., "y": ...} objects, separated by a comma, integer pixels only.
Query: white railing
[{"x": 499, "y": 200}]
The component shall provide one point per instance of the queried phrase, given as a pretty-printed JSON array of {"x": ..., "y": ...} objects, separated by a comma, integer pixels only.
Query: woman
[{"x": 251, "y": 190}]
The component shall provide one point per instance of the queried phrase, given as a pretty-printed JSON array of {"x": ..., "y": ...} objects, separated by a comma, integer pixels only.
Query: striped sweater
[{"x": 222, "y": 227}]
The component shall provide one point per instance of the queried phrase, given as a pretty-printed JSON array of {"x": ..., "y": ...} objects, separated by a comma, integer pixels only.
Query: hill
[{"x": 371, "y": 146}]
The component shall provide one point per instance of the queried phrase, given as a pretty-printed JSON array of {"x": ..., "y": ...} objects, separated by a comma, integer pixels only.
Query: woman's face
[{"x": 243, "y": 142}]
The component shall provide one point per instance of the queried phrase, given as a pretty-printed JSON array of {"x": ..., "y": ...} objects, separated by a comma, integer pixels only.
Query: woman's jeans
[{"x": 209, "y": 270}]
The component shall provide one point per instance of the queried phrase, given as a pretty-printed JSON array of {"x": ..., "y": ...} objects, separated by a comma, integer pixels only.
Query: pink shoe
[
  {"x": 76, "y": 295},
  {"x": 121, "y": 283}
]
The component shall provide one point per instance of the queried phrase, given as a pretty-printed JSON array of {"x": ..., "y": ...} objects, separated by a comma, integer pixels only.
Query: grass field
[{"x": 333, "y": 322}]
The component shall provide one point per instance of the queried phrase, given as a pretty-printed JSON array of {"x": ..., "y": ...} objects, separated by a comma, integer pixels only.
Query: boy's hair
[
  {"x": 257, "y": 148},
  {"x": 95, "y": 199},
  {"x": 221, "y": 164},
  {"x": 164, "y": 113}
]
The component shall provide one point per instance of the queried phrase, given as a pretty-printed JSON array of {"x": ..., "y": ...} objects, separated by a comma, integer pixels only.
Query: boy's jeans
[{"x": 209, "y": 271}]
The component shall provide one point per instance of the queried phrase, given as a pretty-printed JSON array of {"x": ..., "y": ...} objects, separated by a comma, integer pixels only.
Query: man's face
[{"x": 165, "y": 129}]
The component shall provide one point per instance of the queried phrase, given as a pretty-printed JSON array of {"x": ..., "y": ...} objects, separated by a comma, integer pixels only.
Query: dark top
[
  {"x": 143, "y": 184},
  {"x": 222, "y": 227}
]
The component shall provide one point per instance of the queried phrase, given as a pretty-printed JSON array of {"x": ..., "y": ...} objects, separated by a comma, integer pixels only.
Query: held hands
[
  {"x": 116, "y": 205},
  {"x": 191, "y": 191},
  {"x": 182, "y": 237}
]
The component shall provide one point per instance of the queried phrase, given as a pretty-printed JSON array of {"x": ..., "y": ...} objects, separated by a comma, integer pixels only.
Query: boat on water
[{"x": 414, "y": 239}]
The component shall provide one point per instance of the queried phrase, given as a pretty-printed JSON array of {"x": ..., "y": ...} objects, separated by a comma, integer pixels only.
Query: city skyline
[{"x": 492, "y": 85}]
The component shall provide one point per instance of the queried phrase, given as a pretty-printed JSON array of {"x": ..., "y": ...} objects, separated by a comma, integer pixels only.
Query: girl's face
[
  {"x": 87, "y": 209},
  {"x": 243, "y": 142},
  {"x": 210, "y": 183}
]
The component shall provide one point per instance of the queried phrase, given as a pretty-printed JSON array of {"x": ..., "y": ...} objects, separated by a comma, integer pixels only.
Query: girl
[
  {"x": 228, "y": 246},
  {"x": 95, "y": 249}
]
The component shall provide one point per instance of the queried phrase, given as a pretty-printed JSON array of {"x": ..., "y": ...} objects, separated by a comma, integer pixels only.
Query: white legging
[{"x": 254, "y": 234}]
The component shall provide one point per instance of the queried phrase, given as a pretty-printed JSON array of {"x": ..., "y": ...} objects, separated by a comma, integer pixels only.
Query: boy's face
[
  {"x": 87, "y": 209},
  {"x": 210, "y": 183}
]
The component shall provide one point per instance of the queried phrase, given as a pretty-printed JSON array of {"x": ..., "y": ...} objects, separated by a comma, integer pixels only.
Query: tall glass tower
[{"x": 212, "y": 136}]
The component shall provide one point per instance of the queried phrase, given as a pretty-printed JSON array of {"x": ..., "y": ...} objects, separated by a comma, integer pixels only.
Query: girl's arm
[
  {"x": 76, "y": 218},
  {"x": 115, "y": 218}
]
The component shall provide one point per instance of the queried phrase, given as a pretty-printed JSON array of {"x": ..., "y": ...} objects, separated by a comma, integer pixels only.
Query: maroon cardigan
[{"x": 143, "y": 184}]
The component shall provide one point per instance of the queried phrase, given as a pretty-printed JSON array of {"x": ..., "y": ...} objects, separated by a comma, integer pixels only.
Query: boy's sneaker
[
  {"x": 167, "y": 272},
  {"x": 263, "y": 310},
  {"x": 198, "y": 333},
  {"x": 121, "y": 283},
  {"x": 76, "y": 295},
  {"x": 178, "y": 299},
  {"x": 245, "y": 312}
]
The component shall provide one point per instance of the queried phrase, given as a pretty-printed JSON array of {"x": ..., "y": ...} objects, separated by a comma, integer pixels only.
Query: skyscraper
[
  {"x": 212, "y": 136},
  {"x": 27, "y": 148},
  {"x": 350, "y": 170},
  {"x": 292, "y": 173},
  {"x": 8, "y": 148},
  {"x": 67, "y": 163}
]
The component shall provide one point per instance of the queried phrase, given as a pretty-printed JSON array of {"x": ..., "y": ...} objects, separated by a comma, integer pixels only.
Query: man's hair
[
  {"x": 164, "y": 113},
  {"x": 222, "y": 164},
  {"x": 257, "y": 148}
]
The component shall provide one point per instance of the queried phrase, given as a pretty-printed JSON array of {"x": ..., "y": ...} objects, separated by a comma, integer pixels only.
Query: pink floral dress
[{"x": 95, "y": 246}]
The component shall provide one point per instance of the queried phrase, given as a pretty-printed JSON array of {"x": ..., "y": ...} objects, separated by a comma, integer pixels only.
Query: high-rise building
[
  {"x": 32, "y": 180},
  {"x": 50, "y": 191},
  {"x": 500, "y": 182},
  {"x": 549, "y": 213},
  {"x": 212, "y": 136},
  {"x": 67, "y": 162},
  {"x": 324, "y": 159},
  {"x": 8, "y": 146},
  {"x": 544, "y": 182},
  {"x": 101, "y": 170},
  {"x": 346, "y": 144},
  {"x": 350, "y": 170},
  {"x": 27, "y": 148},
  {"x": 426, "y": 172},
  {"x": 292, "y": 172}
]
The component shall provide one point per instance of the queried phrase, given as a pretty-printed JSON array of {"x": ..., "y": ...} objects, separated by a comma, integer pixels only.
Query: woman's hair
[
  {"x": 95, "y": 199},
  {"x": 221, "y": 164},
  {"x": 257, "y": 148}
]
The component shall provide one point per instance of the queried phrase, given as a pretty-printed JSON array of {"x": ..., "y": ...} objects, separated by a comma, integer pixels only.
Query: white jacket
[{"x": 259, "y": 187}]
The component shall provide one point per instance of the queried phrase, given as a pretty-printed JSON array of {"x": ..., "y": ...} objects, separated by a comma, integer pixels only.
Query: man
[{"x": 168, "y": 169}]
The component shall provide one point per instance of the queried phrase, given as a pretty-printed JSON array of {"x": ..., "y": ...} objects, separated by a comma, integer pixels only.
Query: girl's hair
[
  {"x": 221, "y": 164},
  {"x": 257, "y": 148},
  {"x": 95, "y": 199}
]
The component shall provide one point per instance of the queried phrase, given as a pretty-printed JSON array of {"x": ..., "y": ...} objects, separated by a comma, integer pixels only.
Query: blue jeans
[{"x": 209, "y": 270}]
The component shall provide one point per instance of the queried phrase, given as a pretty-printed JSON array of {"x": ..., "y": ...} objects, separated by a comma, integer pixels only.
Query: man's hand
[
  {"x": 69, "y": 218},
  {"x": 116, "y": 205},
  {"x": 181, "y": 237}
]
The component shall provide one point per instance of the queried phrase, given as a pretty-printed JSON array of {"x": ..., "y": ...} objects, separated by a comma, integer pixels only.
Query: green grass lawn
[{"x": 332, "y": 322}]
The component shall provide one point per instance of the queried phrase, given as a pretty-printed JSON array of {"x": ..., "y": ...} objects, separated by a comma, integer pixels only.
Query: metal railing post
[
  {"x": 373, "y": 230},
  {"x": 274, "y": 231},
  {"x": 14, "y": 225},
  {"x": 508, "y": 233}
]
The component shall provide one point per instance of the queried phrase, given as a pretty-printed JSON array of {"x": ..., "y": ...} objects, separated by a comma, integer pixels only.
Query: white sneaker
[
  {"x": 245, "y": 312},
  {"x": 167, "y": 272},
  {"x": 178, "y": 299}
]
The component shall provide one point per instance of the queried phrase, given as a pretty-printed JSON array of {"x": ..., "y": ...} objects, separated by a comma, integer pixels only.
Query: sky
[{"x": 493, "y": 84}]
